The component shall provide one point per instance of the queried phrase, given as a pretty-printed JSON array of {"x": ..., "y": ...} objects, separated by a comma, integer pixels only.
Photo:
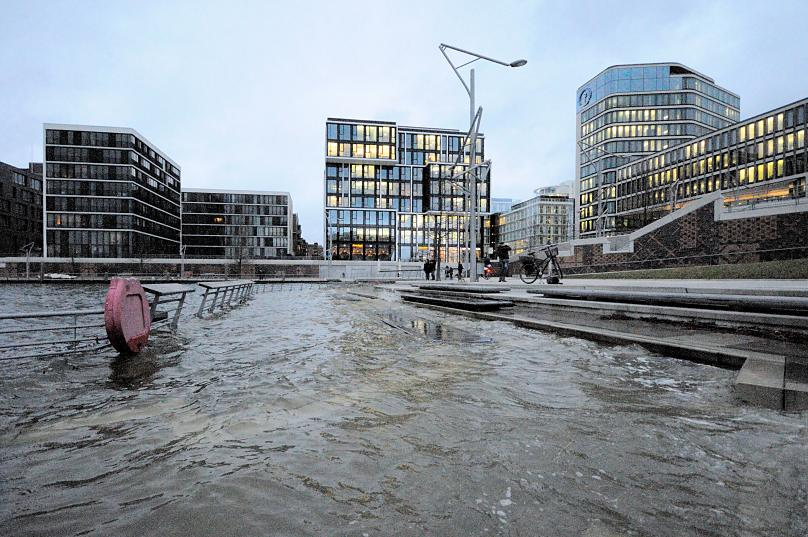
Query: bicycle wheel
[
  {"x": 486, "y": 275},
  {"x": 529, "y": 273}
]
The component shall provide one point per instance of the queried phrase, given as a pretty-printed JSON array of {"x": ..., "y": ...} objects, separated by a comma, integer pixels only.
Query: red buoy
[{"x": 126, "y": 315}]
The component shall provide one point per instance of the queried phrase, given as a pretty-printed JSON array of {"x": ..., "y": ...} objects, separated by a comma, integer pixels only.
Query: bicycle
[{"x": 533, "y": 269}]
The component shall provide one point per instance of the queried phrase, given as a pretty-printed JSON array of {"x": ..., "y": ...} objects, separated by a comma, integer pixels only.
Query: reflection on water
[
  {"x": 307, "y": 414},
  {"x": 434, "y": 330}
]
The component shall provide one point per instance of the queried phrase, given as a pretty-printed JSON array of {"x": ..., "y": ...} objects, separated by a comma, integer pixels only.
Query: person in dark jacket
[
  {"x": 460, "y": 271},
  {"x": 426, "y": 269},
  {"x": 503, "y": 253}
]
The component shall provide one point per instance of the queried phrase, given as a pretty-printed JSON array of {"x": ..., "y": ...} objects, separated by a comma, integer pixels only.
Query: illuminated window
[
  {"x": 370, "y": 150},
  {"x": 332, "y": 149},
  {"x": 750, "y": 131},
  {"x": 769, "y": 170},
  {"x": 759, "y": 127},
  {"x": 358, "y": 150},
  {"x": 780, "y": 144},
  {"x": 742, "y": 175},
  {"x": 790, "y": 142},
  {"x": 769, "y": 148},
  {"x": 742, "y": 134},
  {"x": 761, "y": 170},
  {"x": 780, "y": 121},
  {"x": 780, "y": 168},
  {"x": 769, "y": 125},
  {"x": 801, "y": 138}
]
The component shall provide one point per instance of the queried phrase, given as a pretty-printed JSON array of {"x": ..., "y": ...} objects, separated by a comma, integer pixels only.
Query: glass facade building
[
  {"x": 109, "y": 192},
  {"x": 20, "y": 207},
  {"x": 630, "y": 111},
  {"x": 390, "y": 192},
  {"x": 502, "y": 205},
  {"x": 758, "y": 160},
  {"x": 544, "y": 219},
  {"x": 236, "y": 224}
]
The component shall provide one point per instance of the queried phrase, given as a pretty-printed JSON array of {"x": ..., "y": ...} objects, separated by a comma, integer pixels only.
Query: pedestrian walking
[
  {"x": 426, "y": 269},
  {"x": 448, "y": 272},
  {"x": 503, "y": 253},
  {"x": 460, "y": 271}
]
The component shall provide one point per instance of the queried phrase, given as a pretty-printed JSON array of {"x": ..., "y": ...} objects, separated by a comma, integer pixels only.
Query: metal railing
[
  {"x": 238, "y": 290},
  {"x": 38, "y": 339}
]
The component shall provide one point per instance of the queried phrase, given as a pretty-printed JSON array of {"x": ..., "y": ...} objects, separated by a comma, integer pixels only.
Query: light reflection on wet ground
[{"x": 307, "y": 413}]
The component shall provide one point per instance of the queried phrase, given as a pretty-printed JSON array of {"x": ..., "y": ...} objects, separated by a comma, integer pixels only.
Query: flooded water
[{"x": 312, "y": 411}]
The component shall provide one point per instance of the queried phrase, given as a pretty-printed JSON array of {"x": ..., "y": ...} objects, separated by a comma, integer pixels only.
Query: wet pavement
[{"x": 312, "y": 411}]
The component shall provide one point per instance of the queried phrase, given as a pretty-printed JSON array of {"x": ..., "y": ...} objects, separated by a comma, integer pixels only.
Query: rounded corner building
[{"x": 627, "y": 112}]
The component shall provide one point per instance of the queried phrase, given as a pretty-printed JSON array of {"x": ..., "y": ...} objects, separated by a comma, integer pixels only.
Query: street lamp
[{"x": 474, "y": 122}]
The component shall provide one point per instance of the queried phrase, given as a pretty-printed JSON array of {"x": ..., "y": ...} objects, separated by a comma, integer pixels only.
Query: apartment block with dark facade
[
  {"x": 237, "y": 224},
  {"x": 391, "y": 192},
  {"x": 110, "y": 193},
  {"x": 20, "y": 208}
]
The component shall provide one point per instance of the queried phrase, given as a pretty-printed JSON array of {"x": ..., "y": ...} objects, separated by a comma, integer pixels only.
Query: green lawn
[{"x": 791, "y": 269}]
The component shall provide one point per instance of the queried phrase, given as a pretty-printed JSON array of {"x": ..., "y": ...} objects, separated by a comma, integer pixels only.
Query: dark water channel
[{"x": 312, "y": 413}]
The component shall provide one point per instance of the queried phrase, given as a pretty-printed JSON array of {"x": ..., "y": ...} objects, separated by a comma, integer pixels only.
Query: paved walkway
[{"x": 783, "y": 287}]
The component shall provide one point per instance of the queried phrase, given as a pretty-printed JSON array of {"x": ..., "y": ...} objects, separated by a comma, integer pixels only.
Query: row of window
[
  {"x": 640, "y": 131},
  {"x": 234, "y": 220},
  {"x": 360, "y": 133},
  {"x": 234, "y": 198},
  {"x": 362, "y": 251},
  {"x": 108, "y": 139},
  {"x": 112, "y": 205},
  {"x": 234, "y": 209},
  {"x": 659, "y": 99},
  {"x": 639, "y": 188},
  {"x": 85, "y": 243},
  {"x": 650, "y": 115},
  {"x": 114, "y": 173},
  {"x": 110, "y": 221},
  {"x": 248, "y": 241},
  {"x": 755, "y": 138},
  {"x": 235, "y": 252}
]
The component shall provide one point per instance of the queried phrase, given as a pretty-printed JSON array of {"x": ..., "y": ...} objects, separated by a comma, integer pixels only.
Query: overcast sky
[{"x": 238, "y": 92}]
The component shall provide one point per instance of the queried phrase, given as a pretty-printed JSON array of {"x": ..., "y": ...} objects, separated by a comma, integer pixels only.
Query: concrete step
[
  {"x": 768, "y": 380},
  {"x": 754, "y": 303},
  {"x": 721, "y": 318}
]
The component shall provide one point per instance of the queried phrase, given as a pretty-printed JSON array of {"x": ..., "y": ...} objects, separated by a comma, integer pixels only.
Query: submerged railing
[
  {"x": 238, "y": 290},
  {"x": 30, "y": 338}
]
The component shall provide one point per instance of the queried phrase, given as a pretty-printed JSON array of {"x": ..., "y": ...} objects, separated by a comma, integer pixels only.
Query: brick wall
[{"x": 697, "y": 238}]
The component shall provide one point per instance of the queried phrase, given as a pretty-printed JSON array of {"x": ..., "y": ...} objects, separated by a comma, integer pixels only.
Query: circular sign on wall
[{"x": 584, "y": 97}]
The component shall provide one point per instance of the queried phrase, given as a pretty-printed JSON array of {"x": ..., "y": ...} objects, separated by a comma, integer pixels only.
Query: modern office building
[
  {"x": 109, "y": 192},
  {"x": 758, "y": 162},
  {"x": 20, "y": 207},
  {"x": 630, "y": 111},
  {"x": 390, "y": 191},
  {"x": 236, "y": 224},
  {"x": 547, "y": 218}
]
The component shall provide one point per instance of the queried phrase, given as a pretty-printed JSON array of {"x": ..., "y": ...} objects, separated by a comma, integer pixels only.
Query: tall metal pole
[{"x": 473, "y": 178}]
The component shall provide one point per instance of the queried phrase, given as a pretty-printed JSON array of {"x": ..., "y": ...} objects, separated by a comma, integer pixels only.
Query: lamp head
[{"x": 518, "y": 63}]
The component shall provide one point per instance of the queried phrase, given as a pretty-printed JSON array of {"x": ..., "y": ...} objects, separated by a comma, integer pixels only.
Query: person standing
[
  {"x": 426, "y": 269},
  {"x": 460, "y": 271},
  {"x": 503, "y": 253}
]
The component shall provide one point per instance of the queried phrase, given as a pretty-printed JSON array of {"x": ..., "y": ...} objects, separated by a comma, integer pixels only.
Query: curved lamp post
[{"x": 472, "y": 207}]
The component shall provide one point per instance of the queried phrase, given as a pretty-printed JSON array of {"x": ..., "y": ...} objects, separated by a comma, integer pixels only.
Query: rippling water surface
[{"x": 312, "y": 411}]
